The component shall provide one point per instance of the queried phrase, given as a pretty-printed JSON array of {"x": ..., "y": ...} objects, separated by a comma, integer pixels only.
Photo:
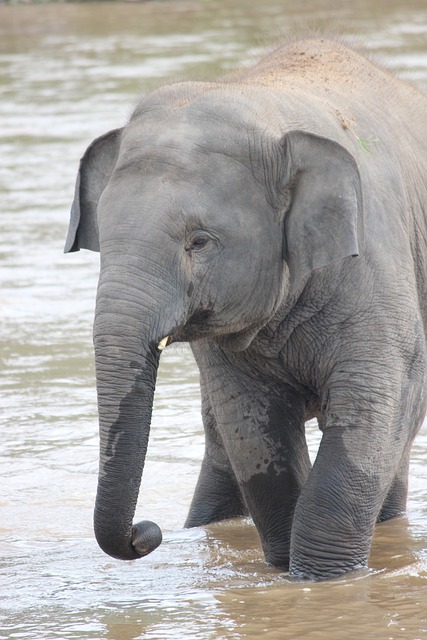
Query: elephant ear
[
  {"x": 94, "y": 173},
  {"x": 324, "y": 220}
]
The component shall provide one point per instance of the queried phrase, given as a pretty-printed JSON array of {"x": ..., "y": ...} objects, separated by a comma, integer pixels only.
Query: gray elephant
[{"x": 276, "y": 221}]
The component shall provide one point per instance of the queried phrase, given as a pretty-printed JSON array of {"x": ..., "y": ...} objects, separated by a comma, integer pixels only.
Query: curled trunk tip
[{"x": 144, "y": 538}]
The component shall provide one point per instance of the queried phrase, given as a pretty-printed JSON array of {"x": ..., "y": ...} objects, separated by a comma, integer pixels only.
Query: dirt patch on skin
[
  {"x": 334, "y": 75},
  {"x": 310, "y": 61}
]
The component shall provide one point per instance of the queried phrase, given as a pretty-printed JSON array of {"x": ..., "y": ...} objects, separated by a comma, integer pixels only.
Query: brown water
[{"x": 67, "y": 74}]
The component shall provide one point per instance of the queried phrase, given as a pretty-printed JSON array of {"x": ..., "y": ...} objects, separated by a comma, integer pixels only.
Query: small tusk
[{"x": 163, "y": 343}]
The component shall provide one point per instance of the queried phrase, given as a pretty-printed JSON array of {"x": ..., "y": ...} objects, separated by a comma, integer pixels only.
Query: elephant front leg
[
  {"x": 217, "y": 495},
  {"x": 337, "y": 509},
  {"x": 359, "y": 476},
  {"x": 263, "y": 432}
]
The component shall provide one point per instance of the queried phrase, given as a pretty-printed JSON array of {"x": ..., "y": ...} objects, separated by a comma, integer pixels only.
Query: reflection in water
[{"x": 67, "y": 74}]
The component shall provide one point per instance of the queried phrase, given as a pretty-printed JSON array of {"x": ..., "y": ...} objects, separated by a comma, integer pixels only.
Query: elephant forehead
[
  {"x": 181, "y": 201},
  {"x": 180, "y": 166},
  {"x": 186, "y": 137},
  {"x": 182, "y": 175},
  {"x": 199, "y": 194}
]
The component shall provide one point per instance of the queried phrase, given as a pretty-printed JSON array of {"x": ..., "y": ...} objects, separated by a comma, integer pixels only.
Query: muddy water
[{"x": 67, "y": 74}]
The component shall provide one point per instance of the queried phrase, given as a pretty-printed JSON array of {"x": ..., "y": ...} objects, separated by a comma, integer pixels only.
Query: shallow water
[{"x": 67, "y": 74}]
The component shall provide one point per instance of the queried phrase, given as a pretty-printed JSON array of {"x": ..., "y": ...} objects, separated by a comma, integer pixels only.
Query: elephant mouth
[
  {"x": 202, "y": 326},
  {"x": 197, "y": 327}
]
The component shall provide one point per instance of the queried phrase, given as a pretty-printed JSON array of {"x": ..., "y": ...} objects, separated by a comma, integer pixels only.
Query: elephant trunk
[{"x": 126, "y": 337}]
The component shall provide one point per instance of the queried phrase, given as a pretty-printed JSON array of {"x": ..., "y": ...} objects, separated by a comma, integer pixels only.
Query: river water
[{"x": 67, "y": 74}]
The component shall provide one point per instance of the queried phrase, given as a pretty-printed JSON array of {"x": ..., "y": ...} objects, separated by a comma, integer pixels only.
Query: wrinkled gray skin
[{"x": 275, "y": 220}]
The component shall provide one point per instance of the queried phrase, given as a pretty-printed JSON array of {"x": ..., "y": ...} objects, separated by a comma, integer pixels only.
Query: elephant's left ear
[
  {"x": 323, "y": 223},
  {"x": 95, "y": 170}
]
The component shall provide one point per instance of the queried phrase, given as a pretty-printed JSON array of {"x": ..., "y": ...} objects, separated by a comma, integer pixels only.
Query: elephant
[{"x": 275, "y": 219}]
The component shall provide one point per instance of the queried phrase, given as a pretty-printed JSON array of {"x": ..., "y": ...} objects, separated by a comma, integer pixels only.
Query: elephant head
[{"x": 206, "y": 220}]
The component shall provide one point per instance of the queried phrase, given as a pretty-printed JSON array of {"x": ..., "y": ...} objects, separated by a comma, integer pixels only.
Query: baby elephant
[{"x": 276, "y": 221}]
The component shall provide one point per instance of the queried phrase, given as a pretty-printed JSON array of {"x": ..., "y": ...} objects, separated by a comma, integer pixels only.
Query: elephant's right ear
[{"x": 95, "y": 170}]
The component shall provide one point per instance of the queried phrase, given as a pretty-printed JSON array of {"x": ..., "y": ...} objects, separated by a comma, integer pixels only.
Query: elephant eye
[{"x": 197, "y": 242}]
